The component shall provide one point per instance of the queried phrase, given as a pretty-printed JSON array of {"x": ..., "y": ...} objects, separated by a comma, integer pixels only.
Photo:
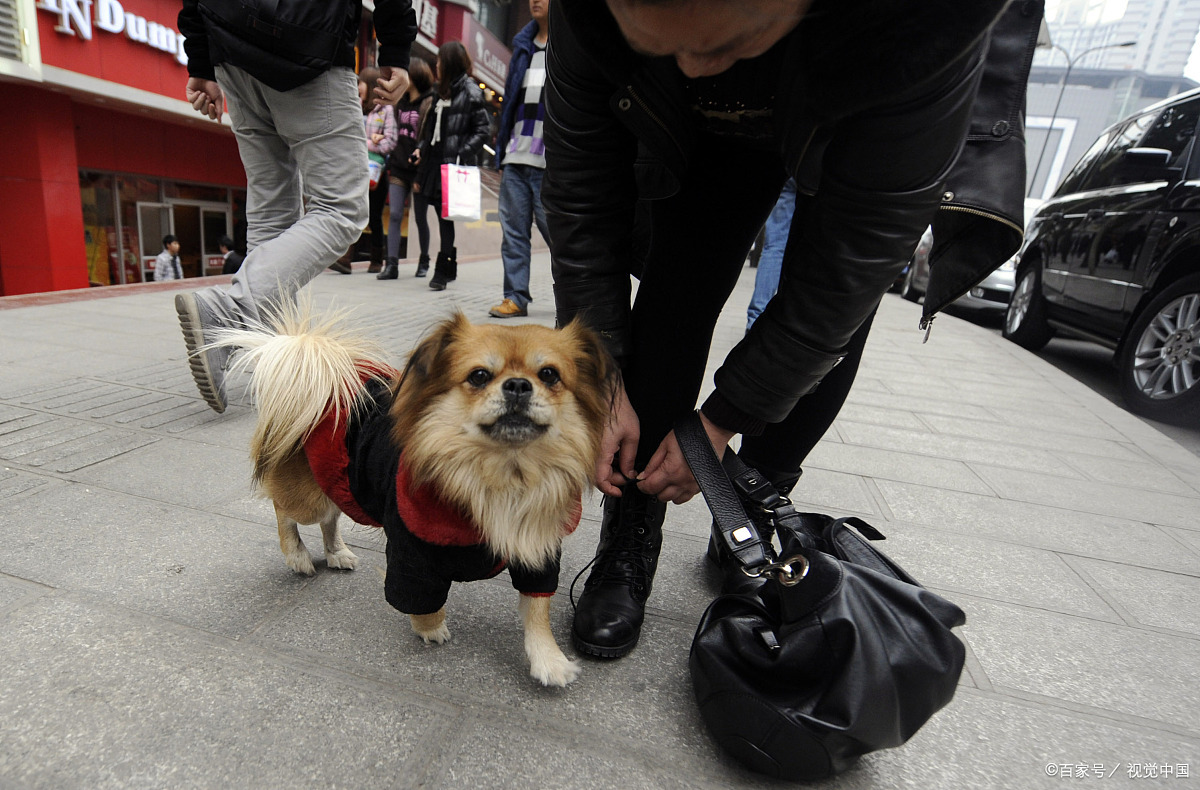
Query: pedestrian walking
[
  {"x": 521, "y": 158},
  {"x": 459, "y": 128},
  {"x": 298, "y": 124},
  {"x": 411, "y": 112}
]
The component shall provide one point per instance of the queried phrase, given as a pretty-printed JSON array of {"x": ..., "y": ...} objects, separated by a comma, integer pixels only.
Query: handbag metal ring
[{"x": 788, "y": 572}]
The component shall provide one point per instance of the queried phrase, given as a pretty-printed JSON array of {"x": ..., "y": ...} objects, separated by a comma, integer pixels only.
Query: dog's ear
[
  {"x": 417, "y": 383},
  {"x": 424, "y": 357},
  {"x": 597, "y": 368}
]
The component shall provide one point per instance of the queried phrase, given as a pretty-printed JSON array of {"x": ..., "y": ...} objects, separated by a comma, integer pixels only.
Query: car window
[
  {"x": 1174, "y": 131},
  {"x": 1073, "y": 180},
  {"x": 1108, "y": 171}
]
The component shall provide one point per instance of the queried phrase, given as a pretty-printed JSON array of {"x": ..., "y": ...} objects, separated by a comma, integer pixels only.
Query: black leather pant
[{"x": 700, "y": 239}]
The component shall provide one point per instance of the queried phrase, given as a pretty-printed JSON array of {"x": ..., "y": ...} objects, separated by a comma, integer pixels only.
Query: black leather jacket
[
  {"x": 466, "y": 126},
  {"x": 395, "y": 27},
  {"x": 876, "y": 100}
]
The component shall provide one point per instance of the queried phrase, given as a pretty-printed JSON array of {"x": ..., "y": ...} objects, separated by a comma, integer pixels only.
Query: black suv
[{"x": 1114, "y": 257}]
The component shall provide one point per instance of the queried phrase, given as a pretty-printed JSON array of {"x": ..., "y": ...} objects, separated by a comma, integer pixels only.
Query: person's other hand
[
  {"x": 619, "y": 442},
  {"x": 393, "y": 82},
  {"x": 416, "y": 157},
  {"x": 377, "y": 138},
  {"x": 667, "y": 477},
  {"x": 205, "y": 97}
]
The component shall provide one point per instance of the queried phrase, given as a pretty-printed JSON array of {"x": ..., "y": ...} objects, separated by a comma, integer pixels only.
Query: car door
[
  {"x": 1099, "y": 229},
  {"x": 1174, "y": 222},
  {"x": 1057, "y": 220}
]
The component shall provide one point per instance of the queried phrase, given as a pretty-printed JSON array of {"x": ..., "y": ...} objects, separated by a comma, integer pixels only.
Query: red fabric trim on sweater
[
  {"x": 328, "y": 458},
  {"x": 329, "y": 462}
]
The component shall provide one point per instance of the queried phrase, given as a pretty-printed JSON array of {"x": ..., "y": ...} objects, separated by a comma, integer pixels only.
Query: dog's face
[{"x": 505, "y": 387}]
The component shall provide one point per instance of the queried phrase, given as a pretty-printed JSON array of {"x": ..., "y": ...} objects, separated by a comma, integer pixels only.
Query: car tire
[
  {"x": 1025, "y": 319},
  {"x": 1159, "y": 362},
  {"x": 907, "y": 290}
]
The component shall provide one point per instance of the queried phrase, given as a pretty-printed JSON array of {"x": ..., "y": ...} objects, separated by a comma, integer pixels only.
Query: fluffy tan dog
[{"x": 473, "y": 459}]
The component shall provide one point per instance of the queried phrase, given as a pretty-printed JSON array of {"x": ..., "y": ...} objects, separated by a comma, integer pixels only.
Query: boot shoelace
[{"x": 622, "y": 557}]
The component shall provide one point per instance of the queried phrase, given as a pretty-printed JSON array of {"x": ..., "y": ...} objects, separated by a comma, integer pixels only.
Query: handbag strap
[{"x": 731, "y": 526}]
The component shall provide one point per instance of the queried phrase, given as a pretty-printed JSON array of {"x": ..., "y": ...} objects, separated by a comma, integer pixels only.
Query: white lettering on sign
[
  {"x": 488, "y": 59},
  {"x": 427, "y": 17},
  {"x": 75, "y": 18}
]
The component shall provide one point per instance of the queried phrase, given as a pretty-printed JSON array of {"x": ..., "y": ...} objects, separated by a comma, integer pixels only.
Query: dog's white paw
[
  {"x": 439, "y": 635},
  {"x": 300, "y": 562},
  {"x": 342, "y": 559},
  {"x": 554, "y": 670}
]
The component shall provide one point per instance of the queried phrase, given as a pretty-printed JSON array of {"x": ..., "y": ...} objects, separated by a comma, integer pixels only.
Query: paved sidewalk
[{"x": 154, "y": 638}]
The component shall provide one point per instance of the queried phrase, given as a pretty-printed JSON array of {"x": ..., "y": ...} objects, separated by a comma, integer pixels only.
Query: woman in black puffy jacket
[{"x": 455, "y": 134}]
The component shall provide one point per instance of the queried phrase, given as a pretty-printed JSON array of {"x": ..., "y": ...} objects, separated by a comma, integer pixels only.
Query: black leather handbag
[{"x": 816, "y": 654}]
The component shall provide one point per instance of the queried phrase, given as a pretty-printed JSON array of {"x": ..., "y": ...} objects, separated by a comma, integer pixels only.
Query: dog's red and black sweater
[{"x": 430, "y": 543}]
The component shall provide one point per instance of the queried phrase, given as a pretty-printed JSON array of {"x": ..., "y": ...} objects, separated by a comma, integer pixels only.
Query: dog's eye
[
  {"x": 549, "y": 376},
  {"x": 479, "y": 377}
]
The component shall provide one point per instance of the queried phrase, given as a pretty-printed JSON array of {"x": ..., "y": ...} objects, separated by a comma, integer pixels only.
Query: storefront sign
[
  {"x": 488, "y": 53},
  {"x": 79, "y": 17}
]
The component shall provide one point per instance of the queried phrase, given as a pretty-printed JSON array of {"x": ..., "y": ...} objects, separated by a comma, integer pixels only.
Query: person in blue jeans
[
  {"x": 770, "y": 262},
  {"x": 521, "y": 157}
]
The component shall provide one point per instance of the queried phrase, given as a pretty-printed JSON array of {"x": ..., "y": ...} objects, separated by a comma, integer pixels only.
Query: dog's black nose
[{"x": 517, "y": 390}]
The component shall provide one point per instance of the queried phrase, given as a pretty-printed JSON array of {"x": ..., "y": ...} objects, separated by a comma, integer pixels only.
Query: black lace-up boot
[{"x": 608, "y": 616}]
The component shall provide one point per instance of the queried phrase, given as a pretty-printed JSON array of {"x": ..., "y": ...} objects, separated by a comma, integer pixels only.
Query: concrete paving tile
[
  {"x": 955, "y": 564},
  {"x": 1086, "y": 662},
  {"x": 1186, "y": 537},
  {"x": 986, "y": 741},
  {"x": 95, "y": 698},
  {"x": 345, "y": 617},
  {"x": 1154, "y": 598},
  {"x": 880, "y": 415},
  {"x": 821, "y": 490},
  {"x": 15, "y": 482},
  {"x": 13, "y": 590},
  {"x": 1072, "y": 420},
  {"x": 891, "y": 465},
  {"x": 927, "y": 405},
  {"x": 955, "y": 448},
  {"x": 1148, "y": 474},
  {"x": 1056, "y": 529},
  {"x": 487, "y": 755},
  {"x": 1091, "y": 497},
  {"x": 185, "y": 565},
  {"x": 189, "y": 473},
  {"x": 980, "y": 396},
  {"x": 1115, "y": 446}
]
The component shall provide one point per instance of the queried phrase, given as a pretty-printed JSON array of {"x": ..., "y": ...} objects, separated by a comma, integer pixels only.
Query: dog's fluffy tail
[{"x": 304, "y": 366}]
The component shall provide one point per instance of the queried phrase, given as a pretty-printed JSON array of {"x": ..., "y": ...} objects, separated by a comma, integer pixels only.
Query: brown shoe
[{"x": 507, "y": 309}]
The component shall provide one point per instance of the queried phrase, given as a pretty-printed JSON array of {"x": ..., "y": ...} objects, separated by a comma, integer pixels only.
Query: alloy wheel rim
[
  {"x": 1166, "y": 361},
  {"x": 1019, "y": 305}
]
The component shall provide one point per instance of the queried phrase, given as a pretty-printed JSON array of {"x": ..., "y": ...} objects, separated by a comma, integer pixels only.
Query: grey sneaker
[{"x": 208, "y": 367}]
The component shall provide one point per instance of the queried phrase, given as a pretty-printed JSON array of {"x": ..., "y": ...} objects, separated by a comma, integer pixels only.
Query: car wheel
[
  {"x": 1160, "y": 360},
  {"x": 1025, "y": 320},
  {"x": 906, "y": 288}
]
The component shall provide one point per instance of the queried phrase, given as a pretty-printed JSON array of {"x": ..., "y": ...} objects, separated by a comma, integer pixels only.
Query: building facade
[
  {"x": 101, "y": 156},
  {"x": 1164, "y": 32}
]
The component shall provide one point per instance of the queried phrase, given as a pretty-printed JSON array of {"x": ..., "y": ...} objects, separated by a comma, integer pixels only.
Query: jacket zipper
[
  {"x": 927, "y": 320},
  {"x": 646, "y": 108}
]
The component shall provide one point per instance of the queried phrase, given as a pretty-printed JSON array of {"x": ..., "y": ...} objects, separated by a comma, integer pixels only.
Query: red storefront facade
[{"x": 100, "y": 156}]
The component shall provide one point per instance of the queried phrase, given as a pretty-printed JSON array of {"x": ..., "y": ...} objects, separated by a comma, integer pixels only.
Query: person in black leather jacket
[
  {"x": 455, "y": 134},
  {"x": 671, "y": 126}
]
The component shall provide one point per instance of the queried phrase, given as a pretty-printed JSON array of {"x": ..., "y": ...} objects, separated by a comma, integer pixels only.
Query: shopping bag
[
  {"x": 376, "y": 164},
  {"x": 460, "y": 193}
]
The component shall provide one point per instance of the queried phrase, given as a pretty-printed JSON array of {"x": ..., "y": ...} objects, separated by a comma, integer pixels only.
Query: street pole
[{"x": 1062, "y": 89}]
